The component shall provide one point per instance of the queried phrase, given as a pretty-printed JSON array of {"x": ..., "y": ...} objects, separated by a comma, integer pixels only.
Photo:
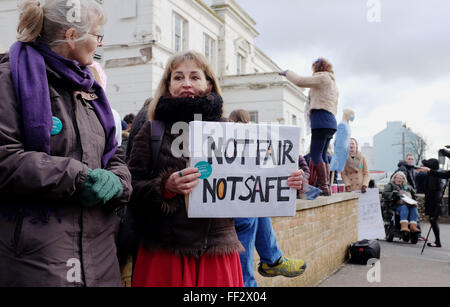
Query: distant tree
[{"x": 418, "y": 146}]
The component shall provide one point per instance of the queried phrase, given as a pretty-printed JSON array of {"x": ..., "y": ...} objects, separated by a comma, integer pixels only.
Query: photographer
[
  {"x": 437, "y": 173},
  {"x": 434, "y": 188},
  {"x": 433, "y": 201}
]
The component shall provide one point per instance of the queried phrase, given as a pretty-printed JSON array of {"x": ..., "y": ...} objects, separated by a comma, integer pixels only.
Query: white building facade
[
  {"x": 9, "y": 17},
  {"x": 141, "y": 35}
]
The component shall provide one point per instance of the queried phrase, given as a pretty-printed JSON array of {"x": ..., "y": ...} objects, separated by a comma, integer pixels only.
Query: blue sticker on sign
[
  {"x": 204, "y": 168},
  {"x": 57, "y": 126}
]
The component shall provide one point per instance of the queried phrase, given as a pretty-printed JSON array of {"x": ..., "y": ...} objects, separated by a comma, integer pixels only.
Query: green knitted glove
[{"x": 100, "y": 187}]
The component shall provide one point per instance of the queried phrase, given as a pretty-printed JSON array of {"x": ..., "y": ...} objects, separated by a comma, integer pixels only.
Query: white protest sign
[
  {"x": 244, "y": 169},
  {"x": 370, "y": 221}
]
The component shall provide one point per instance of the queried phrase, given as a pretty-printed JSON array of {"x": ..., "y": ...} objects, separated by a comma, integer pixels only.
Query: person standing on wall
[
  {"x": 324, "y": 96},
  {"x": 342, "y": 142}
]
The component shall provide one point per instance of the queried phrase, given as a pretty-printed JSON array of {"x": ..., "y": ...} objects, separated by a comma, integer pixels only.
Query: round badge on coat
[{"x": 57, "y": 126}]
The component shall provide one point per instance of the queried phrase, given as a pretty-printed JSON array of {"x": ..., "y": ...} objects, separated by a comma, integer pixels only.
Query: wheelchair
[{"x": 391, "y": 220}]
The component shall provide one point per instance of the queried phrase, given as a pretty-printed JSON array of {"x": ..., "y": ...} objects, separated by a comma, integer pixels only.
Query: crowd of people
[
  {"x": 405, "y": 183},
  {"x": 69, "y": 162}
]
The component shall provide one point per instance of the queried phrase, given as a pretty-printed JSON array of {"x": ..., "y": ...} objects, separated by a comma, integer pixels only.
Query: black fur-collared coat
[{"x": 163, "y": 223}]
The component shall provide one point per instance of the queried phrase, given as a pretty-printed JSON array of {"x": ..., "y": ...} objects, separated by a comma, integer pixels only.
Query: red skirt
[{"x": 165, "y": 269}]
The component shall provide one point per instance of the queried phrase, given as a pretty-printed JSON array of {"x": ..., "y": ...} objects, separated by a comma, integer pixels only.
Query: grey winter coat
[{"x": 46, "y": 237}]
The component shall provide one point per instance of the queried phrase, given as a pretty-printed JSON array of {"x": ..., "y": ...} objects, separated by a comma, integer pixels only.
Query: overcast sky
[{"x": 397, "y": 69}]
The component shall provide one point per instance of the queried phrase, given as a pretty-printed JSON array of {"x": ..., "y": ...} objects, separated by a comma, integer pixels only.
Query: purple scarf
[{"x": 28, "y": 68}]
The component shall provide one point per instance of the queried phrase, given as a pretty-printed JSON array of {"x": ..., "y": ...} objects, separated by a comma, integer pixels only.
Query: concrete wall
[{"x": 320, "y": 233}]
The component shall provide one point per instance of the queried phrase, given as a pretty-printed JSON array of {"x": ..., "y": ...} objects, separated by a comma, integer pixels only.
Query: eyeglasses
[{"x": 99, "y": 37}]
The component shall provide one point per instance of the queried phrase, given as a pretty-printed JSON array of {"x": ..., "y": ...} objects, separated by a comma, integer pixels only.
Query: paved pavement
[{"x": 401, "y": 265}]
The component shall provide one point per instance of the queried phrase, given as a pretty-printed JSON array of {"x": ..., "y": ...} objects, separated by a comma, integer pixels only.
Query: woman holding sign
[
  {"x": 175, "y": 250},
  {"x": 322, "y": 110}
]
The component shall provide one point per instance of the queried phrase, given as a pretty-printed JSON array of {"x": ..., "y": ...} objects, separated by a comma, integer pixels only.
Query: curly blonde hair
[{"x": 322, "y": 64}]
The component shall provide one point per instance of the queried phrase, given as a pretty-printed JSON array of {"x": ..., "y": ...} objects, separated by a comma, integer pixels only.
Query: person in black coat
[
  {"x": 408, "y": 168},
  {"x": 434, "y": 187}
]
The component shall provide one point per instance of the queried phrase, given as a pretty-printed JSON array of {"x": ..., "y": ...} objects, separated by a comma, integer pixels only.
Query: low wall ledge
[{"x": 325, "y": 201}]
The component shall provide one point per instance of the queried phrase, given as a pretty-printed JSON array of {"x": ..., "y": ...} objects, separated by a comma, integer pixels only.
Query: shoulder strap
[{"x": 157, "y": 128}]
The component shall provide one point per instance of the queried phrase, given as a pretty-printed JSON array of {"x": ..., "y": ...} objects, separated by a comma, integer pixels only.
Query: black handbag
[{"x": 362, "y": 251}]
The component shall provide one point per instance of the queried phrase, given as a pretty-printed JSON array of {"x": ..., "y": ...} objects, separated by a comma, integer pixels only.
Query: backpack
[{"x": 362, "y": 251}]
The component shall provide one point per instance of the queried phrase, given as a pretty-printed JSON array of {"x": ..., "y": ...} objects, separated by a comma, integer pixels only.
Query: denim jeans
[
  {"x": 256, "y": 232},
  {"x": 406, "y": 211}
]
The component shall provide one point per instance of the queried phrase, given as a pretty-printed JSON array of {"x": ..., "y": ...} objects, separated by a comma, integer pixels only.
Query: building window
[
  {"x": 210, "y": 49},
  {"x": 180, "y": 33},
  {"x": 254, "y": 117},
  {"x": 240, "y": 64}
]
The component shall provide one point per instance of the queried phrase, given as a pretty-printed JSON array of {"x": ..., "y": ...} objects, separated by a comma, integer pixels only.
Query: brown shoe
[
  {"x": 413, "y": 227},
  {"x": 404, "y": 226}
]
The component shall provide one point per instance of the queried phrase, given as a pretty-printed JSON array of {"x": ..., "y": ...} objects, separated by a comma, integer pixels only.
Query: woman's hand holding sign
[
  {"x": 295, "y": 181},
  {"x": 183, "y": 182}
]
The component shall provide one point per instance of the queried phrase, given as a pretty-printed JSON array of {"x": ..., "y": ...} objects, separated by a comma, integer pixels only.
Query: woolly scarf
[
  {"x": 355, "y": 161},
  {"x": 172, "y": 110},
  {"x": 28, "y": 63}
]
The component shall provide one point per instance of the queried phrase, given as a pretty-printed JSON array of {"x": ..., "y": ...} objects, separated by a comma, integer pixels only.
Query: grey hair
[
  {"x": 400, "y": 173},
  {"x": 51, "y": 20}
]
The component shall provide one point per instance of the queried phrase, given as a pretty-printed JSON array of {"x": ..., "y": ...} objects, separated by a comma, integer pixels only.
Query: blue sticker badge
[
  {"x": 57, "y": 126},
  {"x": 204, "y": 168}
]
